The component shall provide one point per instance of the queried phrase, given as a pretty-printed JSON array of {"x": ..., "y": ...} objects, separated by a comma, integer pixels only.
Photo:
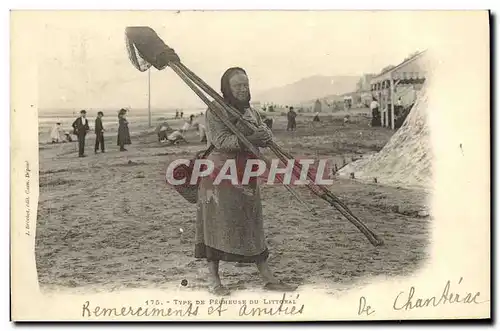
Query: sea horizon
[{"x": 71, "y": 111}]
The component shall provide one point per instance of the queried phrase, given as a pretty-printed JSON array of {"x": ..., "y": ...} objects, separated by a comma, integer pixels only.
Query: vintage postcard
[{"x": 250, "y": 165}]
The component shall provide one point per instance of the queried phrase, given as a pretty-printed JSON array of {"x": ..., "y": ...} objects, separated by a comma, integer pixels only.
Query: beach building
[{"x": 401, "y": 83}]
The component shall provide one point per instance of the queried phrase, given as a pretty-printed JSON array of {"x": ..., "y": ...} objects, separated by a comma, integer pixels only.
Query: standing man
[
  {"x": 81, "y": 127},
  {"x": 99, "y": 132}
]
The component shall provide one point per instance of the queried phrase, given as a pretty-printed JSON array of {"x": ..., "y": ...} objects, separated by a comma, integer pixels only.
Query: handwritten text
[{"x": 409, "y": 302}]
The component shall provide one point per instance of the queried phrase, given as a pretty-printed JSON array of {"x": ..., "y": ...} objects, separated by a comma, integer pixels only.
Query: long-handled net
[{"x": 147, "y": 49}]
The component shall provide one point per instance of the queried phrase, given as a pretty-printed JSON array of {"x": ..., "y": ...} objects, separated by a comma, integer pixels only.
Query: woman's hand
[{"x": 261, "y": 137}]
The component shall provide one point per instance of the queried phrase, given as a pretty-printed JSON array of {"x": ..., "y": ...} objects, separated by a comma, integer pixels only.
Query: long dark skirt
[
  {"x": 376, "y": 120},
  {"x": 229, "y": 224},
  {"x": 123, "y": 136}
]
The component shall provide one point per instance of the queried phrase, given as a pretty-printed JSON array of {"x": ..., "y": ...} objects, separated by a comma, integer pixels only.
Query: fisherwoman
[{"x": 229, "y": 224}]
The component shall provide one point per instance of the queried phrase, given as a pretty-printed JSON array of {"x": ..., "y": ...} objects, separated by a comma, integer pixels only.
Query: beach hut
[{"x": 409, "y": 74}]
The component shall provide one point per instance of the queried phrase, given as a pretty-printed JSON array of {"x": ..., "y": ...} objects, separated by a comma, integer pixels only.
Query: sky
[{"x": 83, "y": 62}]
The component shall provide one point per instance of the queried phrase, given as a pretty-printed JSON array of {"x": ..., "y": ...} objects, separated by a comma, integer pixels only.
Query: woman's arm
[
  {"x": 262, "y": 124},
  {"x": 222, "y": 138}
]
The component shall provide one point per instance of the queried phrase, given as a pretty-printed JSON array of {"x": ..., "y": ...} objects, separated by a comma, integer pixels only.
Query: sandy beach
[{"x": 109, "y": 221}]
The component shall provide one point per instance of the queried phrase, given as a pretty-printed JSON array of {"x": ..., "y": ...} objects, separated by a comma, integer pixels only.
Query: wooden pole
[
  {"x": 392, "y": 104},
  {"x": 149, "y": 96}
]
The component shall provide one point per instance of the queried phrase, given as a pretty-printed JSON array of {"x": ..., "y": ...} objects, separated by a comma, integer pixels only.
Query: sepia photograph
[{"x": 274, "y": 154}]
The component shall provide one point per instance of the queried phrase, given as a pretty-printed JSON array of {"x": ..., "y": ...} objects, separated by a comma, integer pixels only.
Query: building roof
[{"x": 406, "y": 70}]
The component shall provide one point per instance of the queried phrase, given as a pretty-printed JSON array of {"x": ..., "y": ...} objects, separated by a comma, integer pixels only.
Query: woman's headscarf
[{"x": 226, "y": 89}]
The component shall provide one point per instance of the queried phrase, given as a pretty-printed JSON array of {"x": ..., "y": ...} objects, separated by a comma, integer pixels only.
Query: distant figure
[
  {"x": 176, "y": 114},
  {"x": 398, "y": 109},
  {"x": 162, "y": 131},
  {"x": 55, "y": 133},
  {"x": 191, "y": 117},
  {"x": 347, "y": 103},
  {"x": 375, "y": 113},
  {"x": 292, "y": 124},
  {"x": 80, "y": 128},
  {"x": 346, "y": 119},
  {"x": 99, "y": 133},
  {"x": 316, "y": 117},
  {"x": 182, "y": 114},
  {"x": 123, "y": 131}
]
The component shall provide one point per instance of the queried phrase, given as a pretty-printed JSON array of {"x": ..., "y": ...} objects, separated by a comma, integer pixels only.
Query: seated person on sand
[
  {"x": 175, "y": 138},
  {"x": 162, "y": 131},
  {"x": 168, "y": 135},
  {"x": 56, "y": 133}
]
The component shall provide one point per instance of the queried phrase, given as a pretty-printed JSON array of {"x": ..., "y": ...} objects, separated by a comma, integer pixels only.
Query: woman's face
[{"x": 239, "y": 86}]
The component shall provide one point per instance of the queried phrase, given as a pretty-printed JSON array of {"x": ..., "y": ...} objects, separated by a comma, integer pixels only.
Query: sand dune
[{"x": 406, "y": 160}]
